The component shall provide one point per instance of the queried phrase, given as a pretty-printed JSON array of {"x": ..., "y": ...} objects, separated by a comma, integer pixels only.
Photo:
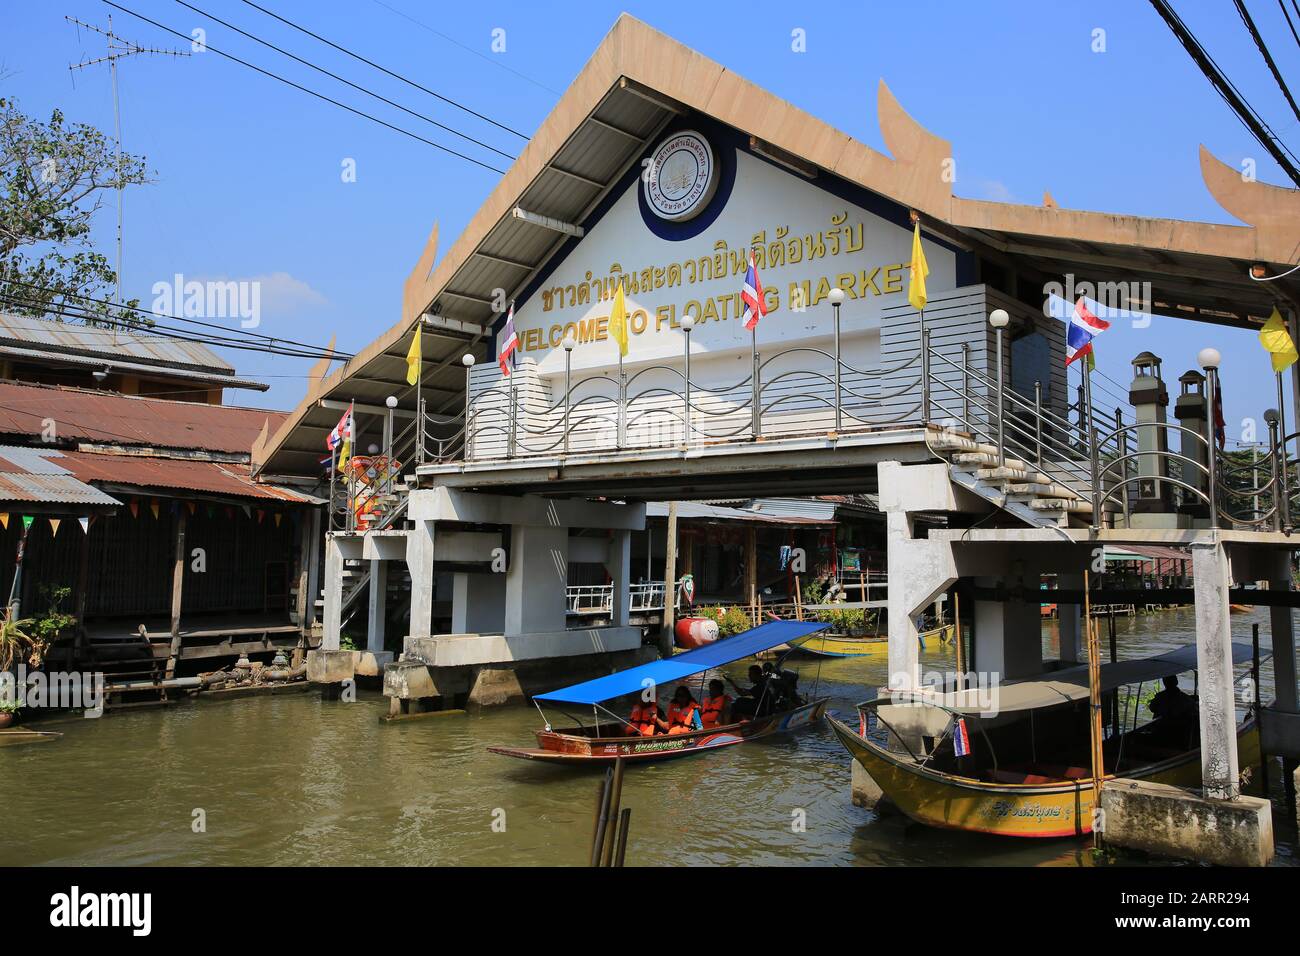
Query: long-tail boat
[
  {"x": 837, "y": 645},
  {"x": 1023, "y": 768},
  {"x": 611, "y": 737}
]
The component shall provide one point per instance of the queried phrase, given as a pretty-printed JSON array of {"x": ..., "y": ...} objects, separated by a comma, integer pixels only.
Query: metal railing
[{"x": 599, "y": 598}]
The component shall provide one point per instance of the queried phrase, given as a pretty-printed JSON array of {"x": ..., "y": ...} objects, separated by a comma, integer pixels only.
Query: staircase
[{"x": 1053, "y": 497}]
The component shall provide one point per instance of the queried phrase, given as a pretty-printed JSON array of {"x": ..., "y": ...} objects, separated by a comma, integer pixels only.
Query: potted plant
[{"x": 8, "y": 712}]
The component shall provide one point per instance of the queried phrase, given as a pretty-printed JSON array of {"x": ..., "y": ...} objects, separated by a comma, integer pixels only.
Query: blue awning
[{"x": 762, "y": 638}]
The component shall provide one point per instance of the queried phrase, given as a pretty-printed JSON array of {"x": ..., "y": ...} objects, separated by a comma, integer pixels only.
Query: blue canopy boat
[{"x": 616, "y": 738}]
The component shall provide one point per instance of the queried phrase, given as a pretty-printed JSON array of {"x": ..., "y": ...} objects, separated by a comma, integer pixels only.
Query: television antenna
[{"x": 118, "y": 49}]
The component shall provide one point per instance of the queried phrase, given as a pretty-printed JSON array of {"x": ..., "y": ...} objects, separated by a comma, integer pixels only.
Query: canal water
[{"x": 293, "y": 779}]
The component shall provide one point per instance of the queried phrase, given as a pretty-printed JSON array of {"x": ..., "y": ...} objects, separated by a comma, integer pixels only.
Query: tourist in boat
[
  {"x": 644, "y": 718},
  {"x": 715, "y": 711},
  {"x": 1176, "y": 715},
  {"x": 754, "y": 701},
  {"x": 683, "y": 713}
]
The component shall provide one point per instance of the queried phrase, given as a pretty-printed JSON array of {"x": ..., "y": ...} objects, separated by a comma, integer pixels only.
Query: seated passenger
[
  {"x": 643, "y": 719},
  {"x": 716, "y": 710},
  {"x": 683, "y": 714},
  {"x": 753, "y": 701}
]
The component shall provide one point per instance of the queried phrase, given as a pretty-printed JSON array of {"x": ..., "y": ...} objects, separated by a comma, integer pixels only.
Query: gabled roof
[
  {"x": 46, "y": 340},
  {"x": 39, "y": 476},
  {"x": 81, "y": 415},
  {"x": 635, "y": 83}
]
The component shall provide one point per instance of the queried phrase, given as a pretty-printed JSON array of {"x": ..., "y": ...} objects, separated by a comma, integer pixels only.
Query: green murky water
[{"x": 297, "y": 780}]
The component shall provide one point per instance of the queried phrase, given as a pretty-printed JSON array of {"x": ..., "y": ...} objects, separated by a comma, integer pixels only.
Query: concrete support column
[
  {"x": 537, "y": 579},
  {"x": 1214, "y": 663},
  {"x": 619, "y": 567},
  {"x": 419, "y": 561},
  {"x": 1008, "y": 637},
  {"x": 478, "y": 603},
  {"x": 1283, "y": 635},
  {"x": 904, "y": 638},
  {"x": 378, "y": 611},
  {"x": 333, "y": 594},
  {"x": 1070, "y": 619}
]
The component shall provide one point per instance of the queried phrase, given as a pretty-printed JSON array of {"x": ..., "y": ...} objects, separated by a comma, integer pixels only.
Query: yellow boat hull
[
  {"x": 1020, "y": 810},
  {"x": 823, "y": 646}
]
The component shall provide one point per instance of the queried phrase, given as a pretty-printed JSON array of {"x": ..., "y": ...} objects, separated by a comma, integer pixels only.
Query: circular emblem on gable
[{"x": 680, "y": 177}]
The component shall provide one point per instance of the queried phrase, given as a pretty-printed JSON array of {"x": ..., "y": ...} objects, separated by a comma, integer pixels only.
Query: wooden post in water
[
  {"x": 798, "y": 600},
  {"x": 602, "y": 816},
  {"x": 751, "y": 572},
  {"x": 1094, "y": 699},
  {"x": 624, "y": 823},
  {"x": 1254, "y": 702},
  {"x": 1114, "y": 656},
  {"x": 956, "y": 632},
  {"x": 670, "y": 584},
  {"x": 178, "y": 583},
  {"x": 607, "y": 853}
]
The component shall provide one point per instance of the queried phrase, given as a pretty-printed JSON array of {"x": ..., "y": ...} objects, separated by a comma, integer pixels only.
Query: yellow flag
[
  {"x": 345, "y": 452},
  {"x": 4, "y": 519},
  {"x": 916, "y": 288},
  {"x": 413, "y": 357},
  {"x": 618, "y": 321},
  {"x": 1277, "y": 342}
]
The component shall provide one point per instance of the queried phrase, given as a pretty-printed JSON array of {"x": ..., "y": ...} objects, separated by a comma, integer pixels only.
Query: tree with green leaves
[{"x": 54, "y": 177}]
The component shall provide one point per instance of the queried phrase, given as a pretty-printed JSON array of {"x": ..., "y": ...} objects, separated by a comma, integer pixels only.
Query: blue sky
[{"x": 248, "y": 170}]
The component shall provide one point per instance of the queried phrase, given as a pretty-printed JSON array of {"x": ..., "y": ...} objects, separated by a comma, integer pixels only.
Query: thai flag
[
  {"x": 1081, "y": 331},
  {"x": 752, "y": 295},
  {"x": 960, "y": 738},
  {"x": 509, "y": 343},
  {"x": 342, "y": 431}
]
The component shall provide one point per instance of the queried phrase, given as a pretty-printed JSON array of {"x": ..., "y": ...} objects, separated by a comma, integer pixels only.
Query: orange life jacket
[
  {"x": 643, "y": 717},
  {"x": 682, "y": 716},
  {"x": 711, "y": 712}
]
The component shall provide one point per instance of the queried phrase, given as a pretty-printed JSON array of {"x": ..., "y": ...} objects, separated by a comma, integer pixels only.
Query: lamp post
[
  {"x": 837, "y": 299},
  {"x": 466, "y": 360},
  {"x": 1273, "y": 417},
  {"x": 999, "y": 319},
  {"x": 687, "y": 323},
  {"x": 569, "y": 343},
  {"x": 1209, "y": 360},
  {"x": 390, "y": 403}
]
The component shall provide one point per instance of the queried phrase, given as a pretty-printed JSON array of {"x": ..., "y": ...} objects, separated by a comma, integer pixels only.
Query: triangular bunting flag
[
  {"x": 4, "y": 519},
  {"x": 27, "y": 521},
  {"x": 135, "y": 507},
  {"x": 192, "y": 506},
  {"x": 260, "y": 515},
  {"x": 155, "y": 507},
  {"x": 85, "y": 525},
  {"x": 54, "y": 527},
  {"x": 278, "y": 516}
]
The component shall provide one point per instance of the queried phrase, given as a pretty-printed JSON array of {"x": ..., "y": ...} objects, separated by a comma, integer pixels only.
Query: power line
[
  {"x": 153, "y": 316},
  {"x": 1286, "y": 15},
  {"x": 335, "y": 76},
  {"x": 468, "y": 49},
  {"x": 1249, "y": 118},
  {"x": 1268, "y": 57},
  {"x": 320, "y": 96},
  {"x": 162, "y": 331},
  {"x": 396, "y": 76}
]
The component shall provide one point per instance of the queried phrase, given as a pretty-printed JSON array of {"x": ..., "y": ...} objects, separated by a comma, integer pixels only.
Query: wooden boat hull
[
  {"x": 1019, "y": 810},
  {"x": 821, "y": 645},
  {"x": 569, "y": 748}
]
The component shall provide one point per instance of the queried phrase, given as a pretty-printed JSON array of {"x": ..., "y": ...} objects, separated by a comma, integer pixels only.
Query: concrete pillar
[
  {"x": 1008, "y": 637},
  {"x": 904, "y": 637},
  {"x": 1070, "y": 621},
  {"x": 333, "y": 594},
  {"x": 619, "y": 567},
  {"x": 419, "y": 561},
  {"x": 537, "y": 579},
  {"x": 478, "y": 603},
  {"x": 378, "y": 611},
  {"x": 1214, "y": 663},
  {"x": 1282, "y": 632}
]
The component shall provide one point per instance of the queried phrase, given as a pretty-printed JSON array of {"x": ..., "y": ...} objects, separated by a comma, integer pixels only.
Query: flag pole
[{"x": 419, "y": 382}]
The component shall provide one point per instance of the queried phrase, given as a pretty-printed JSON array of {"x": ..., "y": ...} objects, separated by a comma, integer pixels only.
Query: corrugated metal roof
[
  {"x": 143, "y": 347},
  {"x": 115, "y": 365},
  {"x": 697, "y": 511},
  {"x": 218, "y": 478},
  {"x": 82, "y": 415},
  {"x": 30, "y": 475}
]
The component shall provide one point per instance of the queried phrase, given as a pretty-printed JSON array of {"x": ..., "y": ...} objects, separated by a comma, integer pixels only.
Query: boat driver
[
  {"x": 1176, "y": 713},
  {"x": 752, "y": 701}
]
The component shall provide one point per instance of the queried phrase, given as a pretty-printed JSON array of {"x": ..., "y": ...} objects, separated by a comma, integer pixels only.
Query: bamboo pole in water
[
  {"x": 624, "y": 823},
  {"x": 607, "y": 853},
  {"x": 602, "y": 816},
  {"x": 1094, "y": 700},
  {"x": 956, "y": 632}
]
